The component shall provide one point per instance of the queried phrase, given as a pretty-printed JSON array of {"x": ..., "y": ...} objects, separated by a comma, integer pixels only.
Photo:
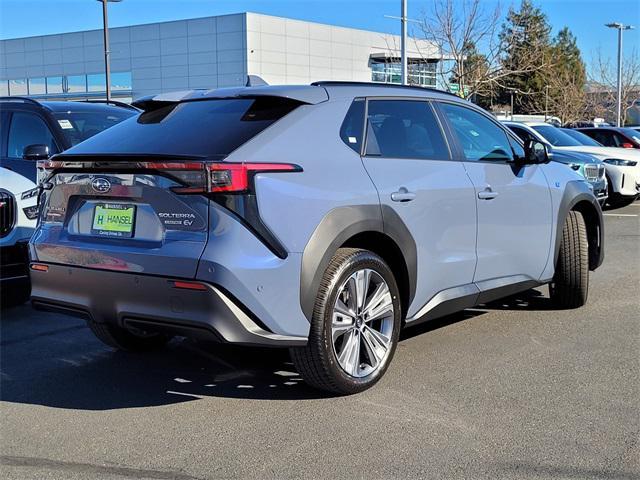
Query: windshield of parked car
[
  {"x": 80, "y": 125},
  {"x": 555, "y": 136},
  {"x": 632, "y": 134},
  {"x": 582, "y": 138}
]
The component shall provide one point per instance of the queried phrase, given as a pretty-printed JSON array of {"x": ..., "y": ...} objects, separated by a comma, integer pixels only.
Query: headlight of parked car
[
  {"x": 31, "y": 212},
  {"x": 575, "y": 166},
  {"x": 620, "y": 163}
]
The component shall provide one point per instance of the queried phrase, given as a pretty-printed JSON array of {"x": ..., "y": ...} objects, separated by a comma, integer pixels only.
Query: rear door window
[
  {"x": 203, "y": 128},
  {"x": 404, "y": 129},
  {"x": 28, "y": 129}
]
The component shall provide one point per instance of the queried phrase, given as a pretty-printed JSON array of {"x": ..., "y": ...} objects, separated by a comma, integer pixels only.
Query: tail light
[
  {"x": 237, "y": 177},
  {"x": 627, "y": 145},
  {"x": 195, "y": 176}
]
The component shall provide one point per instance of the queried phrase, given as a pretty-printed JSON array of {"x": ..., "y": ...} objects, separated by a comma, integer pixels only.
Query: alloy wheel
[{"x": 362, "y": 323}]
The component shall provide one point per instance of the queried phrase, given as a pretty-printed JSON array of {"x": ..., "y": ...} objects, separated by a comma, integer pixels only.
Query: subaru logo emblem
[{"x": 101, "y": 185}]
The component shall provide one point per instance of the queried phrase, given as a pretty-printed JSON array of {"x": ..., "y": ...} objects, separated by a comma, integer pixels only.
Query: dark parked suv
[
  {"x": 319, "y": 217},
  {"x": 29, "y": 131},
  {"x": 57, "y": 125}
]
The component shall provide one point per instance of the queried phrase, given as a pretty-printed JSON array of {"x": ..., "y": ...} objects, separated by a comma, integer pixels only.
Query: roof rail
[
  {"x": 19, "y": 99},
  {"x": 112, "y": 102},
  {"x": 329, "y": 83}
]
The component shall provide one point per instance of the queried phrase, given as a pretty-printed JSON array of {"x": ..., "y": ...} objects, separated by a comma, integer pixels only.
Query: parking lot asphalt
[{"x": 514, "y": 389}]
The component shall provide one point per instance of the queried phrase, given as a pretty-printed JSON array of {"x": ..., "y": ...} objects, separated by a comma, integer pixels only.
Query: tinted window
[
  {"x": 79, "y": 126},
  {"x": 28, "y": 129},
  {"x": 581, "y": 137},
  {"x": 522, "y": 133},
  {"x": 351, "y": 130},
  {"x": 198, "y": 128},
  {"x": 556, "y": 136},
  {"x": 404, "y": 129},
  {"x": 479, "y": 137}
]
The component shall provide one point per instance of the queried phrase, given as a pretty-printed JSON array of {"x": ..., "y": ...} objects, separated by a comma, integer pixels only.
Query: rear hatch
[{"x": 135, "y": 198}]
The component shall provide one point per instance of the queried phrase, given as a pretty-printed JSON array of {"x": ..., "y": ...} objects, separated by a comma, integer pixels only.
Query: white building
[{"x": 206, "y": 52}]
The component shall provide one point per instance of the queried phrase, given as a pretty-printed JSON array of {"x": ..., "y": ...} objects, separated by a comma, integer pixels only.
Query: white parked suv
[
  {"x": 18, "y": 213},
  {"x": 622, "y": 164}
]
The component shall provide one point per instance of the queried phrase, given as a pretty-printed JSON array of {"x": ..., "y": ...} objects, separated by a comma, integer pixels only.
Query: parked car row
[
  {"x": 614, "y": 172},
  {"x": 33, "y": 131},
  {"x": 322, "y": 218}
]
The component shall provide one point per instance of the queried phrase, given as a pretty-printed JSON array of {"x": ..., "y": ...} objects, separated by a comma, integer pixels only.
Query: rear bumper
[{"x": 151, "y": 303}]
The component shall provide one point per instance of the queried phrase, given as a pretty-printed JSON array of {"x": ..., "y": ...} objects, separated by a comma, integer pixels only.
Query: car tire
[
  {"x": 127, "y": 340},
  {"x": 570, "y": 285},
  {"x": 351, "y": 343}
]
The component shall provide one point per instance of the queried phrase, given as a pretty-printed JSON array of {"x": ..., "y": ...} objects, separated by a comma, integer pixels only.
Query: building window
[
  {"x": 419, "y": 72},
  {"x": 54, "y": 84},
  {"x": 37, "y": 86},
  {"x": 74, "y": 84},
  {"x": 64, "y": 85},
  {"x": 121, "y": 81},
  {"x": 18, "y": 87},
  {"x": 96, "y": 82}
]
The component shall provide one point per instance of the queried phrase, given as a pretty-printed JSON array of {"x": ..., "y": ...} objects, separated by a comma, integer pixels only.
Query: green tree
[
  {"x": 525, "y": 37},
  {"x": 566, "y": 78}
]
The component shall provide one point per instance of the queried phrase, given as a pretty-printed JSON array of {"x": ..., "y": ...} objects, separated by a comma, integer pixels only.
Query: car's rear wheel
[
  {"x": 570, "y": 285},
  {"x": 128, "y": 340},
  {"x": 355, "y": 325}
]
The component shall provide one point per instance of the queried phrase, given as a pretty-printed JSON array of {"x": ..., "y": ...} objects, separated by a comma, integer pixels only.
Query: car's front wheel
[
  {"x": 570, "y": 285},
  {"x": 355, "y": 325}
]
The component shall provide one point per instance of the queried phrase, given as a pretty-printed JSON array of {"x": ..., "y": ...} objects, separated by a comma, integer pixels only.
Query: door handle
[
  {"x": 487, "y": 194},
  {"x": 403, "y": 195}
]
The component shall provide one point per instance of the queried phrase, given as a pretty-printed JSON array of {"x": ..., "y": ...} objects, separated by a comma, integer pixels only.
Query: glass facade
[
  {"x": 421, "y": 73},
  {"x": 69, "y": 84}
]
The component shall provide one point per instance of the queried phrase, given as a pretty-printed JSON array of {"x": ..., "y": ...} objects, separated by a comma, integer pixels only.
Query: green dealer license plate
[{"x": 113, "y": 220}]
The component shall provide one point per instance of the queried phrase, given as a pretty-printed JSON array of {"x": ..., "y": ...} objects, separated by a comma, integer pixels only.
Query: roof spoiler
[{"x": 255, "y": 87}]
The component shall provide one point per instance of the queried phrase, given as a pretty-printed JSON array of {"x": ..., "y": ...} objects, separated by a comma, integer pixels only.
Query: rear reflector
[
  {"x": 39, "y": 267},
  {"x": 189, "y": 285}
]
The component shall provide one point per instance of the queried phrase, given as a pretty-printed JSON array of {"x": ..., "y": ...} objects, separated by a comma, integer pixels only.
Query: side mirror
[
  {"x": 535, "y": 152},
  {"x": 36, "y": 152}
]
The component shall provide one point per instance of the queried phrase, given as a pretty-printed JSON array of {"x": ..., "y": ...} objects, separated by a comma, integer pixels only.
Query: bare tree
[
  {"x": 467, "y": 34},
  {"x": 604, "y": 79}
]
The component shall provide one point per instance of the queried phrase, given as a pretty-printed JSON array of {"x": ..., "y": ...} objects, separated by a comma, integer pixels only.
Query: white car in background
[
  {"x": 622, "y": 164},
  {"x": 18, "y": 214}
]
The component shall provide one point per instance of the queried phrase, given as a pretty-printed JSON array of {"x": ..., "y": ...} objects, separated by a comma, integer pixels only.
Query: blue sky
[{"x": 585, "y": 18}]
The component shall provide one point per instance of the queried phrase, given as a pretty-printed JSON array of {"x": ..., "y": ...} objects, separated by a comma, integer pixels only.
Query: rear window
[
  {"x": 80, "y": 126},
  {"x": 203, "y": 128}
]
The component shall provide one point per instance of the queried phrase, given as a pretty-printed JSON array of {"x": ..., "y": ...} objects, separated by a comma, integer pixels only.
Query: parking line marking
[
  {"x": 619, "y": 215},
  {"x": 200, "y": 397}
]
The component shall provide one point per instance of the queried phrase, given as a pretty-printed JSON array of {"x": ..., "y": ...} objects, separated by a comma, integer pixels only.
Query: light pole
[
  {"x": 620, "y": 27},
  {"x": 546, "y": 102},
  {"x": 403, "y": 42},
  {"x": 105, "y": 32},
  {"x": 512, "y": 91}
]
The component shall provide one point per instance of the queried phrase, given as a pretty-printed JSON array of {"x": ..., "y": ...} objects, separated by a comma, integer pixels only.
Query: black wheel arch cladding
[
  {"x": 339, "y": 226},
  {"x": 578, "y": 196}
]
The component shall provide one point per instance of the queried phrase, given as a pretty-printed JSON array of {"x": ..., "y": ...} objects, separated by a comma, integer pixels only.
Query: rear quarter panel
[{"x": 293, "y": 204}]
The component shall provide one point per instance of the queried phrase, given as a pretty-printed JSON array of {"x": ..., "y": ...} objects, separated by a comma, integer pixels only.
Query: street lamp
[
  {"x": 620, "y": 27},
  {"x": 105, "y": 31}
]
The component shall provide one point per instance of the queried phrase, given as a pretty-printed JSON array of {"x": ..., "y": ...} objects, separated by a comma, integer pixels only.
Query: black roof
[{"x": 70, "y": 105}]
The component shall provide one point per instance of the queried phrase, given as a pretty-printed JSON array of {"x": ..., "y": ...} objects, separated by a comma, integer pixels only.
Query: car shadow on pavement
[
  {"x": 530, "y": 300},
  {"x": 54, "y": 360}
]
